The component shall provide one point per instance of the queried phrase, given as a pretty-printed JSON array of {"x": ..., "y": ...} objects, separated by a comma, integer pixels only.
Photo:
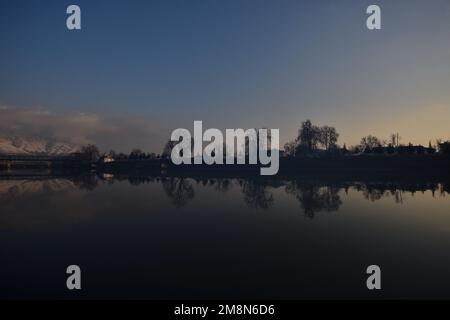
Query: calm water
[{"x": 183, "y": 238}]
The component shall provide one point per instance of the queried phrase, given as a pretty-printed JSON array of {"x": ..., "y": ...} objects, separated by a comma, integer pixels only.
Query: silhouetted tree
[
  {"x": 394, "y": 139},
  {"x": 289, "y": 148},
  {"x": 121, "y": 156},
  {"x": 167, "y": 151},
  {"x": 328, "y": 137},
  {"x": 308, "y": 135},
  {"x": 370, "y": 142},
  {"x": 136, "y": 154},
  {"x": 90, "y": 152},
  {"x": 168, "y": 148},
  {"x": 152, "y": 156}
]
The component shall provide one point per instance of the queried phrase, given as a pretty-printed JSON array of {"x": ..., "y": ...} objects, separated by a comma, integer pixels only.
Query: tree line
[
  {"x": 311, "y": 139},
  {"x": 324, "y": 140},
  {"x": 92, "y": 153}
]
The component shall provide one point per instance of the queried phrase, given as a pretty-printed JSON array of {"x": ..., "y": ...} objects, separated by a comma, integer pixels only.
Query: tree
[
  {"x": 370, "y": 142},
  {"x": 394, "y": 139},
  {"x": 328, "y": 137},
  {"x": 121, "y": 156},
  {"x": 90, "y": 152},
  {"x": 152, "y": 156},
  {"x": 289, "y": 148},
  {"x": 308, "y": 135},
  {"x": 136, "y": 154},
  {"x": 167, "y": 151}
]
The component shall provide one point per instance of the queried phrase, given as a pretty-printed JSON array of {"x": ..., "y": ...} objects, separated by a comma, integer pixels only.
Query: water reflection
[
  {"x": 200, "y": 236},
  {"x": 312, "y": 196},
  {"x": 377, "y": 191},
  {"x": 179, "y": 190},
  {"x": 15, "y": 189},
  {"x": 257, "y": 194}
]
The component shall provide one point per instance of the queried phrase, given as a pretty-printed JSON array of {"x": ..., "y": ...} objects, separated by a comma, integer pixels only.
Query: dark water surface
[{"x": 184, "y": 238}]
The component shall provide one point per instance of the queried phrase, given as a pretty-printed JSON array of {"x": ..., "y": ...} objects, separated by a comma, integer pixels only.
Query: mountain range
[{"x": 19, "y": 145}]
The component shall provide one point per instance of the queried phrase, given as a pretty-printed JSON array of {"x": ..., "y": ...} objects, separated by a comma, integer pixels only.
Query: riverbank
[{"x": 329, "y": 165}]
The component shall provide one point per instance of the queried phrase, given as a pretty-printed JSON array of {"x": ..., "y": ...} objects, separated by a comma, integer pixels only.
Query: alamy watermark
[
  {"x": 73, "y": 21},
  {"x": 255, "y": 145}
]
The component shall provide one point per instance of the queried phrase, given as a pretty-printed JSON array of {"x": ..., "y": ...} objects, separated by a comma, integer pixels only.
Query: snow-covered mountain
[{"x": 13, "y": 144}]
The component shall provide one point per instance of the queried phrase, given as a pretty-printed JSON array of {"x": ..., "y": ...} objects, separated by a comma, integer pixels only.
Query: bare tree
[
  {"x": 370, "y": 142},
  {"x": 289, "y": 148},
  {"x": 328, "y": 137},
  {"x": 308, "y": 135},
  {"x": 90, "y": 152},
  {"x": 394, "y": 139}
]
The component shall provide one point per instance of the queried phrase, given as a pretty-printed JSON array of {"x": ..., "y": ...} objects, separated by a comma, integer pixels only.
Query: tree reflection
[
  {"x": 314, "y": 198},
  {"x": 222, "y": 185},
  {"x": 398, "y": 196},
  {"x": 256, "y": 194},
  {"x": 377, "y": 191},
  {"x": 372, "y": 194},
  {"x": 179, "y": 190}
]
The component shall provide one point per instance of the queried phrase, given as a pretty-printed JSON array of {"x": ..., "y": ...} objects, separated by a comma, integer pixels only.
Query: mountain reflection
[{"x": 258, "y": 194}]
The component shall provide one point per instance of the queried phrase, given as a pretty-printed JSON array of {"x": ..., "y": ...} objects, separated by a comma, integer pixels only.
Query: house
[{"x": 106, "y": 159}]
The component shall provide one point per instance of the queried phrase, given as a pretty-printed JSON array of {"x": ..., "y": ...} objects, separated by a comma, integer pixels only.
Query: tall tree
[
  {"x": 90, "y": 152},
  {"x": 308, "y": 135},
  {"x": 328, "y": 137},
  {"x": 394, "y": 139}
]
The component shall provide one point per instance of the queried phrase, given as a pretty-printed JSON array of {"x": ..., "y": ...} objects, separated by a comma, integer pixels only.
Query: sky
[{"x": 139, "y": 69}]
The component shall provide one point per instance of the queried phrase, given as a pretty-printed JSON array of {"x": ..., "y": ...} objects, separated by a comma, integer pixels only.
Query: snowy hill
[{"x": 21, "y": 145}]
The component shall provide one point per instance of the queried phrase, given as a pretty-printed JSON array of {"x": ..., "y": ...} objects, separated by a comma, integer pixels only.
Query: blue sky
[{"x": 248, "y": 63}]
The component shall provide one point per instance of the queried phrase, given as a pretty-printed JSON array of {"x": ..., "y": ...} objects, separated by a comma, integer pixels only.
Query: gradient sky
[{"x": 248, "y": 63}]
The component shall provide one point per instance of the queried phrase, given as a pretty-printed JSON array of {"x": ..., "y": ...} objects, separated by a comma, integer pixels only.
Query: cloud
[{"x": 120, "y": 134}]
